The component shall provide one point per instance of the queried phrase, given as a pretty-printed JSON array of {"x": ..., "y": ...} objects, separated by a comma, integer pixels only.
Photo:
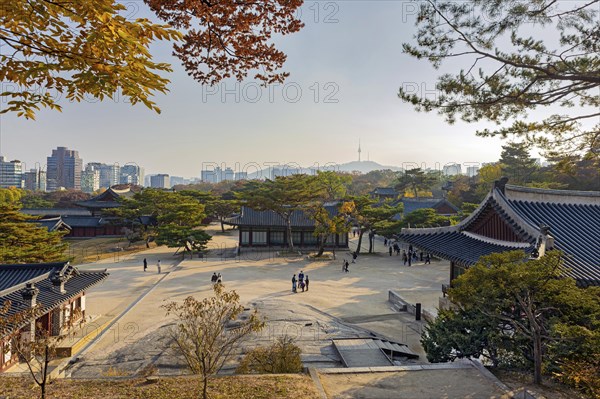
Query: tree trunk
[
  {"x": 321, "y": 246},
  {"x": 360, "y": 235},
  {"x": 45, "y": 372},
  {"x": 205, "y": 388},
  {"x": 371, "y": 242},
  {"x": 289, "y": 232},
  {"x": 222, "y": 226},
  {"x": 537, "y": 358}
]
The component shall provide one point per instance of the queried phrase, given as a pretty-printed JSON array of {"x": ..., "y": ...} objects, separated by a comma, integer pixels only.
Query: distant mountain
[
  {"x": 365, "y": 167},
  {"x": 362, "y": 166}
]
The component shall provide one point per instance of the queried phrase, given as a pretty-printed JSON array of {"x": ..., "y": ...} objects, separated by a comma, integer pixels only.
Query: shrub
[{"x": 282, "y": 356}]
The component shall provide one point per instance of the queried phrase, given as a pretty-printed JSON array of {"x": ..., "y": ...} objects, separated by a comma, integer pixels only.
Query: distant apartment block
[
  {"x": 11, "y": 173},
  {"x": 109, "y": 174},
  {"x": 132, "y": 174},
  {"x": 218, "y": 175},
  {"x": 90, "y": 179},
  {"x": 35, "y": 180},
  {"x": 284, "y": 171},
  {"x": 160, "y": 181},
  {"x": 472, "y": 171},
  {"x": 452, "y": 169},
  {"x": 241, "y": 176},
  {"x": 64, "y": 169}
]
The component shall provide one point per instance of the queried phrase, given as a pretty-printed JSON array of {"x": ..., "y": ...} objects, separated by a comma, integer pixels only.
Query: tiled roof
[
  {"x": 18, "y": 274},
  {"x": 385, "y": 191},
  {"x": 250, "y": 217},
  {"x": 83, "y": 221},
  {"x": 576, "y": 232},
  {"x": 52, "y": 224},
  {"x": 413, "y": 204},
  {"x": 458, "y": 247},
  {"x": 106, "y": 199},
  {"x": 48, "y": 298},
  {"x": 55, "y": 212},
  {"x": 573, "y": 218}
]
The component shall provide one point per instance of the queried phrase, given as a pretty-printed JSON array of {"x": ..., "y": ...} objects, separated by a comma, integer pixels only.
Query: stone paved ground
[{"x": 344, "y": 300}]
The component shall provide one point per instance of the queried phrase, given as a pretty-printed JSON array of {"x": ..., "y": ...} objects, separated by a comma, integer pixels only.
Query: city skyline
[{"x": 331, "y": 100}]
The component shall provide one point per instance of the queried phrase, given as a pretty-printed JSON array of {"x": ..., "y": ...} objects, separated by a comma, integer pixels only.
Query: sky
[{"x": 346, "y": 66}]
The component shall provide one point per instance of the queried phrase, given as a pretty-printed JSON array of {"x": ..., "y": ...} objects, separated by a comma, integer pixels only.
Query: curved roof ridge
[
  {"x": 516, "y": 193},
  {"x": 430, "y": 230},
  {"x": 526, "y": 223},
  {"x": 482, "y": 205},
  {"x": 495, "y": 241}
]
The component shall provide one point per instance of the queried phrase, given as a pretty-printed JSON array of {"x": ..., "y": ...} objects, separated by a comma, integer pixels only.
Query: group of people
[
  {"x": 301, "y": 282},
  {"x": 412, "y": 256},
  {"x": 157, "y": 265},
  {"x": 216, "y": 278}
]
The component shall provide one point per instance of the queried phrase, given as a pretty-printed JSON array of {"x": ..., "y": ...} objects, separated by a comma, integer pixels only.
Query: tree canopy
[
  {"x": 21, "y": 240},
  {"x": 89, "y": 49},
  {"x": 520, "y": 312},
  {"x": 511, "y": 72}
]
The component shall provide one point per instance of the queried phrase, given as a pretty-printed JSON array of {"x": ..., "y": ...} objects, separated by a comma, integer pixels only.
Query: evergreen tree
[
  {"x": 517, "y": 164},
  {"x": 22, "y": 241}
]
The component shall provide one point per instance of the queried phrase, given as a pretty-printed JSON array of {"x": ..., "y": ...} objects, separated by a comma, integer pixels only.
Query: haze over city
[{"x": 346, "y": 67}]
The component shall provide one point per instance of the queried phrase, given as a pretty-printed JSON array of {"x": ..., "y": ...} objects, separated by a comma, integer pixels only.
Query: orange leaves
[{"x": 230, "y": 38}]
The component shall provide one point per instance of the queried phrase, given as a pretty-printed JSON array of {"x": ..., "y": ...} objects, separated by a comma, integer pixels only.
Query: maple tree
[{"x": 87, "y": 49}]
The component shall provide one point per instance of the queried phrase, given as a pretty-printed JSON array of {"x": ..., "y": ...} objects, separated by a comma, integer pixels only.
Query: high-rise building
[
  {"x": 241, "y": 175},
  {"x": 452, "y": 169},
  {"x": 11, "y": 173},
  {"x": 132, "y": 174},
  {"x": 109, "y": 174},
  {"x": 472, "y": 171},
  {"x": 64, "y": 169},
  {"x": 211, "y": 176},
  {"x": 35, "y": 180},
  {"x": 160, "y": 181},
  {"x": 90, "y": 179}
]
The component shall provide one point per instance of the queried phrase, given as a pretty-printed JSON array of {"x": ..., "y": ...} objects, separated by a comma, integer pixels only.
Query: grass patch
[{"x": 226, "y": 387}]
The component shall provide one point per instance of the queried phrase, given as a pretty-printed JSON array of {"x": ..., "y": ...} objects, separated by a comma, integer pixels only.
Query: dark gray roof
[
  {"x": 84, "y": 221},
  {"x": 18, "y": 274},
  {"x": 52, "y": 224},
  {"x": 39, "y": 275},
  {"x": 106, "y": 199},
  {"x": 573, "y": 218},
  {"x": 250, "y": 217},
  {"x": 461, "y": 248},
  {"x": 385, "y": 191},
  {"x": 413, "y": 204},
  {"x": 55, "y": 212}
]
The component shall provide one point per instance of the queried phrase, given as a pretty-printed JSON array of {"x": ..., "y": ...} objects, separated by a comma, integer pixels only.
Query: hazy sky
[{"x": 346, "y": 67}]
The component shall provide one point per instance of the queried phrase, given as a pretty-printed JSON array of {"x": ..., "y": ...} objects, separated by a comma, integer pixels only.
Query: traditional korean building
[
  {"x": 383, "y": 193},
  {"x": 520, "y": 218},
  {"x": 57, "y": 288},
  {"x": 268, "y": 229},
  {"x": 106, "y": 200}
]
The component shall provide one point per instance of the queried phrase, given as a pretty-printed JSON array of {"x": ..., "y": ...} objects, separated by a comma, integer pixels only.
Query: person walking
[
  {"x": 391, "y": 250},
  {"x": 354, "y": 256},
  {"x": 158, "y": 266},
  {"x": 219, "y": 279},
  {"x": 427, "y": 259},
  {"x": 294, "y": 283},
  {"x": 306, "y": 280},
  {"x": 213, "y": 279},
  {"x": 145, "y": 264},
  {"x": 385, "y": 242},
  {"x": 346, "y": 267},
  {"x": 404, "y": 257}
]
